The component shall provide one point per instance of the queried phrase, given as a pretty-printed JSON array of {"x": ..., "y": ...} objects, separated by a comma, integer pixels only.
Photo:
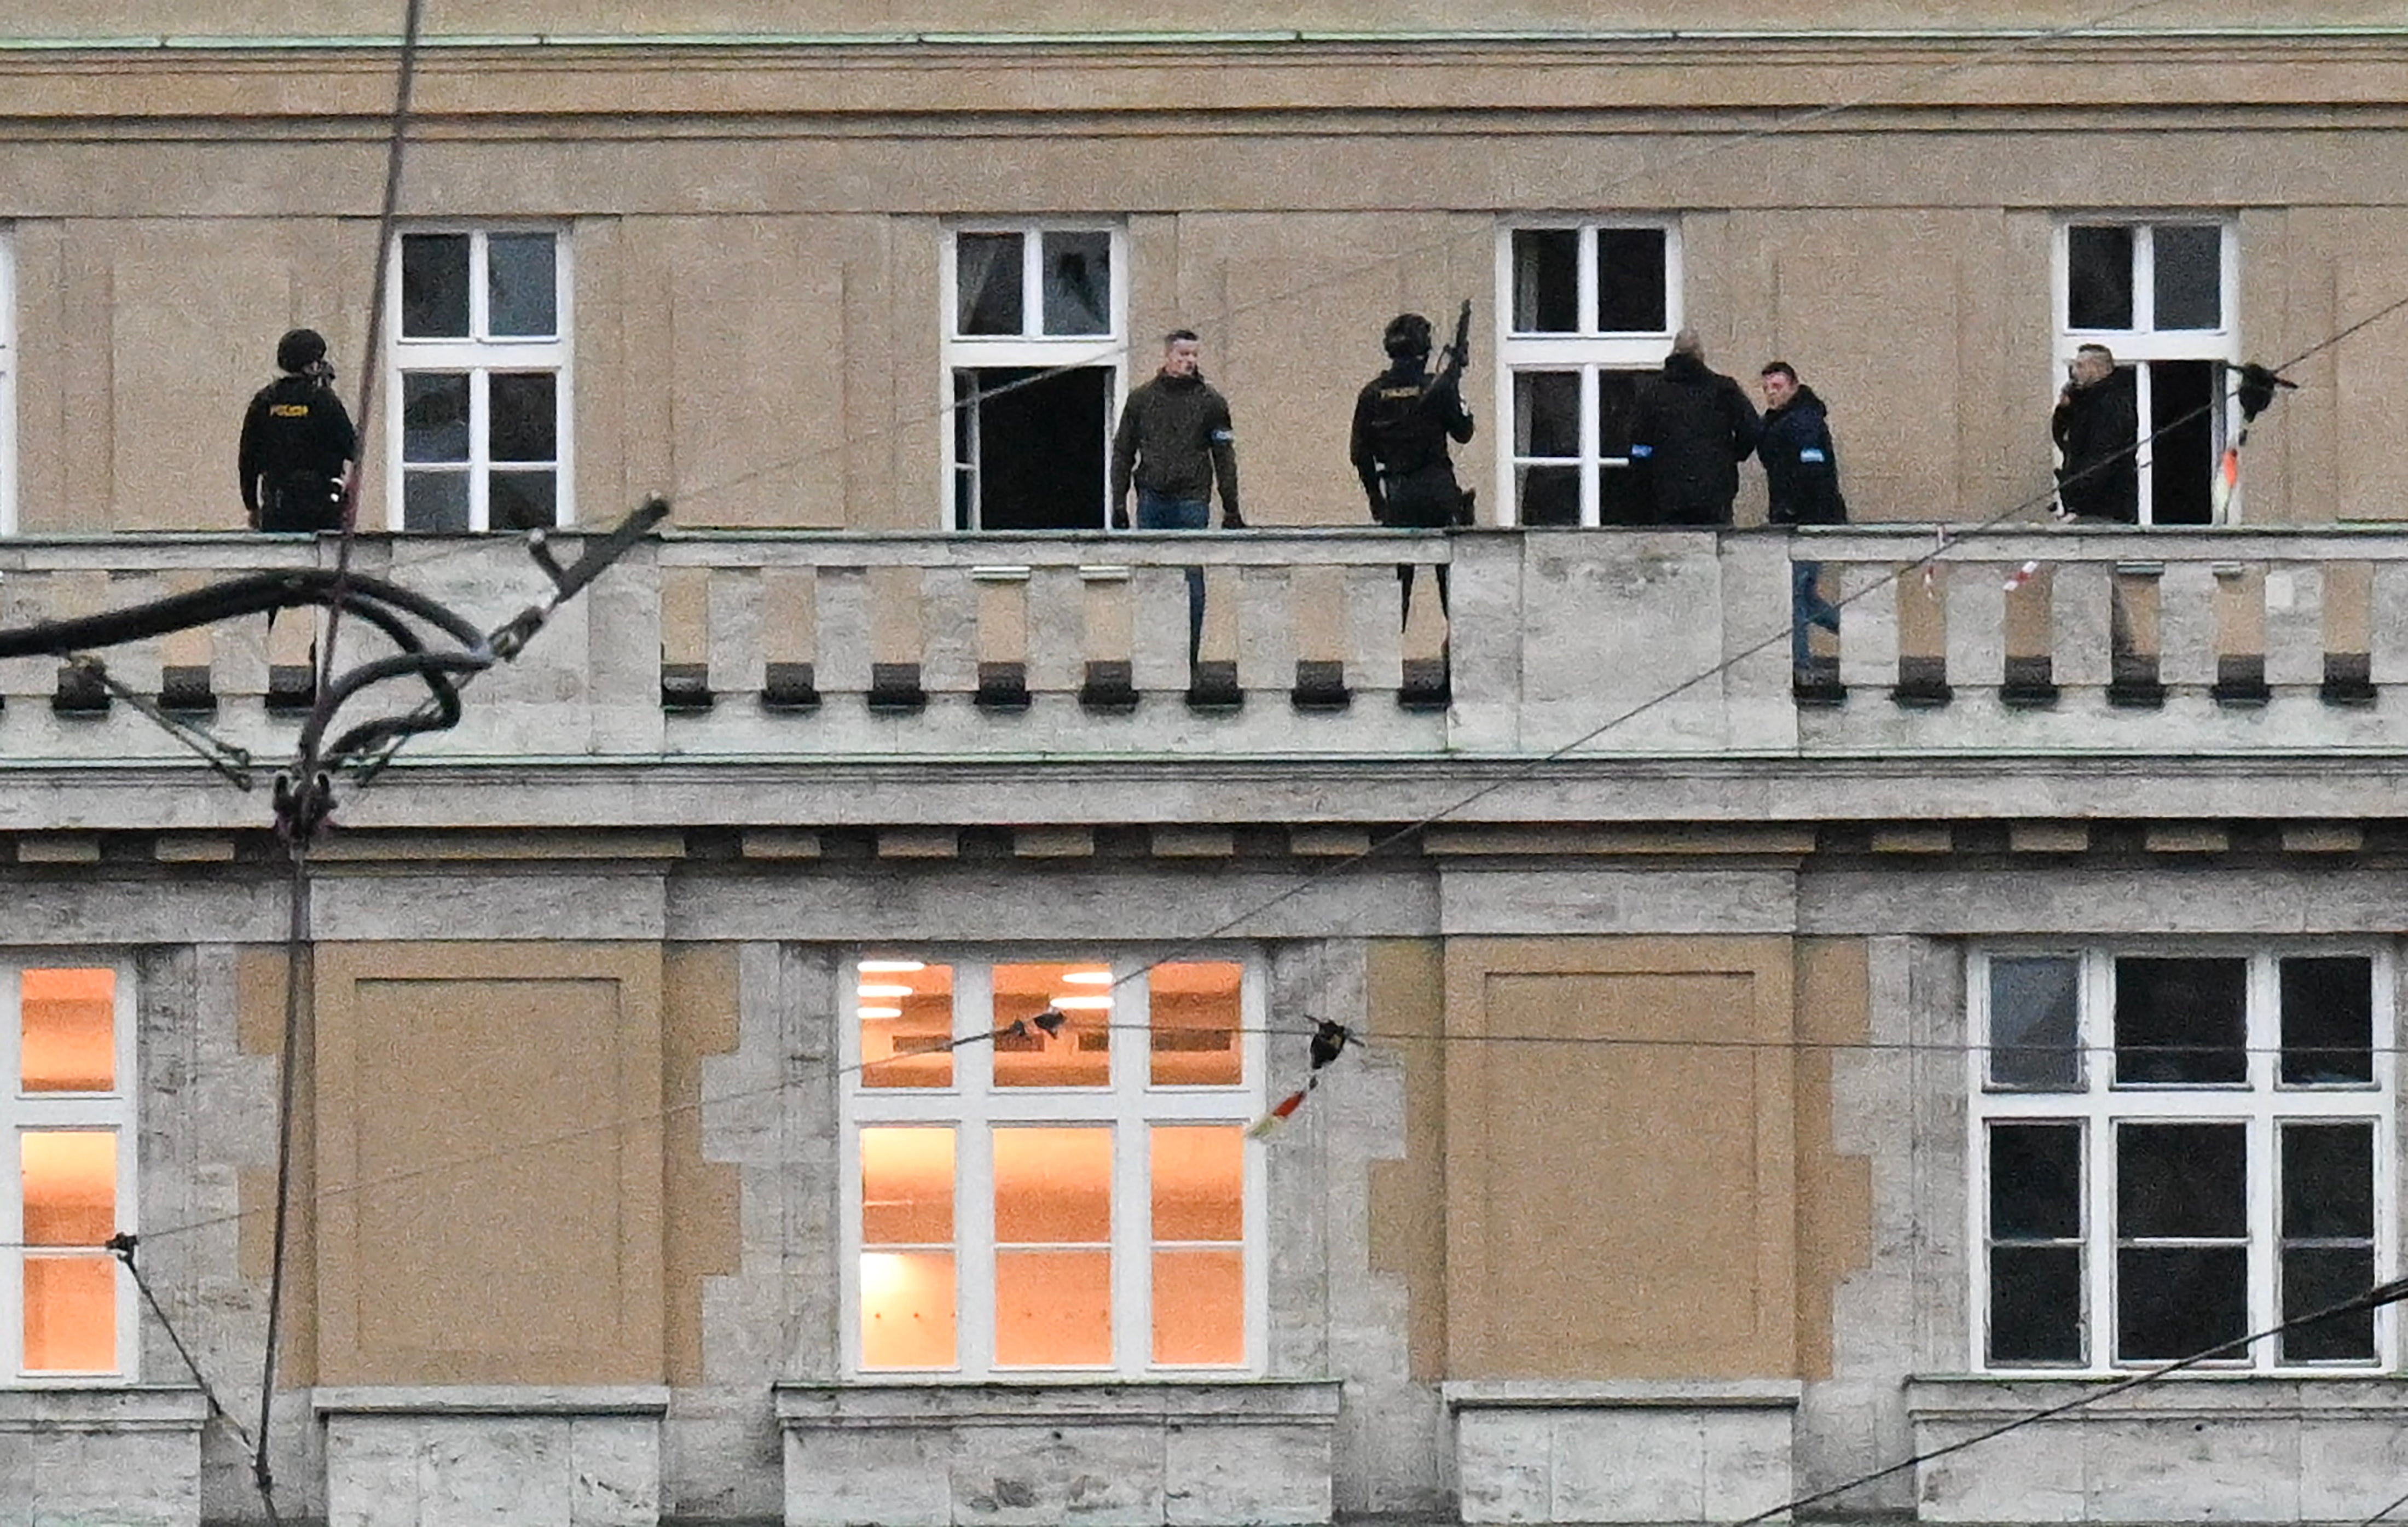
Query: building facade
[{"x": 1754, "y": 1089}]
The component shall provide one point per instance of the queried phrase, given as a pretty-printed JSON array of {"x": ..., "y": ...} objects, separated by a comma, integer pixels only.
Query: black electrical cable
[{"x": 124, "y": 1246}]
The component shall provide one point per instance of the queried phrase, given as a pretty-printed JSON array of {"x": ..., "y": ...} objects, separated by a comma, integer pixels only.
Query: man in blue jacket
[{"x": 1801, "y": 483}]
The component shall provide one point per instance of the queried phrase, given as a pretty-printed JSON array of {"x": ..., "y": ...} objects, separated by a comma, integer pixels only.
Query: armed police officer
[
  {"x": 1404, "y": 419},
  {"x": 297, "y": 442}
]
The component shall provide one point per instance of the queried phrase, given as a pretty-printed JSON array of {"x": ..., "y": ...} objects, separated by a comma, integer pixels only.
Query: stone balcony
[{"x": 1667, "y": 650}]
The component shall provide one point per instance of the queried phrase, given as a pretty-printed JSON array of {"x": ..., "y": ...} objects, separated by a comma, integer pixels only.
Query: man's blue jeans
[
  {"x": 1807, "y": 607},
  {"x": 1159, "y": 511}
]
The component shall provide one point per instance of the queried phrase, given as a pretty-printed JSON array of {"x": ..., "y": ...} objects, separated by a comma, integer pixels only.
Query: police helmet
[
  {"x": 300, "y": 349},
  {"x": 1407, "y": 333}
]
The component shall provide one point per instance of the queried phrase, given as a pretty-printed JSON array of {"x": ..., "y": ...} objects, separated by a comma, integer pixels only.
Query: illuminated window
[
  {"x": 69, "y": 1056},
  {"x": 1028, "y": 1196}
]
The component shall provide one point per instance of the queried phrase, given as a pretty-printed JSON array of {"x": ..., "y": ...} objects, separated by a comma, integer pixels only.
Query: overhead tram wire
[{"x": 1596, "y": 193}]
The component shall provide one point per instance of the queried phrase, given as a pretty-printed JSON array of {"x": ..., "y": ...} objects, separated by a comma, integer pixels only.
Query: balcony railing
[{"x": 826, "y": 645}]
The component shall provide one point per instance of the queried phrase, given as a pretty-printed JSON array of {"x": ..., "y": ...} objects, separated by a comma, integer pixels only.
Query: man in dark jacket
[
  {"x": 1802, "y": 483},
  {"x": 1692, "y": 429},
  {"x": 2096, "y": 432},
  {"x": 297, "y": 442},
  {"x": 1174, "y": 442},
  {"x": 1404, "y": 419}
]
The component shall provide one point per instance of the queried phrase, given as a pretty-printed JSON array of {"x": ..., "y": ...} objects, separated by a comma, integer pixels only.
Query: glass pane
[
  {"x": 2180, "y": 1021},
  {"x": 434, "y": 500},
  {"x": 1630, "y": 281},
  {"x": 1052, "y": 1308},
  {"x": 1546, "y": 281},
  {"x": 435, "y": 415},
  {"x": 2173, "y": 1301},
  {"x": 907, "y": 1023},
  {"x": 2035, "y": 1181},
  {"x": 1200, "y": 1180},
  {"x": 1078, "y": 1052},
  {"x": 522, "y": 501},
  {"x": 523, "y": 415},
  {"x": 2187, "y": 1180},
  {"x": 1546, "y": 414},
  {"x": 434, "y": 286},
  {"x": 1053, "y": 1186},
  {"x": 1196, "y": 1020},
  {"x": 70, "y": 1031},
  {"x": 2317, "y": 1277},
  {"x": 1548, "y": 495},
  {"x": 2327, "y": 1020},
  {"x": 70, "y": 1314},
  {"x": 907, "y": 1186},
  {"x": 2035, "y": 1304},
  {"x": 1199, "y": 1307},
  {"x": 70, "y": 1180},
  {"x": 522, "y": 286},
  {"x": 1077, "y": 283},
  {"x": 907, "y": 1309},
  {"x": 2098, "y": 278},
  {"x": 1617, "y": 411},
  {"x": 2189, "y": 277},
  {"x": 2035, "y": 1042},
  {"x": 986, "y": 272},
  {"x": 2328, "y": 1181}
]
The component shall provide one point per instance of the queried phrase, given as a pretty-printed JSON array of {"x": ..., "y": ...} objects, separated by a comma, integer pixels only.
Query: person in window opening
[
  {"x": 1404, "y": 419},
  {"x": 1802, "y": 483},
  {"x": 297, "y": 442},
  {"x": 1174, "y": 442},
  {"x": 2097, "y": 431},
  {"x": 1691, "y": 429}
]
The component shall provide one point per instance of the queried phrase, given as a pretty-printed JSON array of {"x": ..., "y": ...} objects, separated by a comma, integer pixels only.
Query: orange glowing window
[
  {"x": 907, "y": 1022},
  {"x": 1195, "y": 1024},
  {"x": 70, "y": 1179},
  {"x": 1078, "y": 1052},
  {"x": 907, "y": 1257},
  {"x": 1198, "y": 1173},
  {"x": 68, "y": 1031},
  {"x": 1052, "y": 1246}
]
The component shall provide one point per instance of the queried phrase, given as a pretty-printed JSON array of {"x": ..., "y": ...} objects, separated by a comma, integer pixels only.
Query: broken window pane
[
  {"x": 2098, "y": 278},
  {"x": 434, "y": 286},
  {"x": 522, "y": 286},
  {"x": 986, "y": 269},
  {"x": 2180, "y": 1021},
  {"x": 68, "y": 1034},
  {"x": 2189, "y": 259},
  {"x": 1077, "y": 282},
  {"x": 2035, "y": 1039},
  {"x": 1630, "y": 281},
  {"x": 2327, "y": 1020},
  {"x": 1546, "y": 281}
]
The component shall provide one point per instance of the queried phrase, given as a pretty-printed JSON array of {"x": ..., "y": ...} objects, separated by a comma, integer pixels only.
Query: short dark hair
[
  {"x": 2096, "y": 349},
  {"x": 1175, "y": 335},
  {"x": 1780, "y": 368}
]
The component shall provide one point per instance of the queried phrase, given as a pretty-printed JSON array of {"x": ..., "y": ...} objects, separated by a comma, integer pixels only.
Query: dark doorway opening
[
  {"x": 1029, "y": 448},
  {"x": 2184, "y": 396}
]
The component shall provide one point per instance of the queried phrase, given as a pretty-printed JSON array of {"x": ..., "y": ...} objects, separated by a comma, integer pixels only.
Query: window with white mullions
[
  {"x": 2177, "y": 1149},
  {"x": 2159, "y": 293},
  {"x": 481, "y": 356},
  {"x": 1061, "y": 1197},
  {"x": 1589, "y": 307}
]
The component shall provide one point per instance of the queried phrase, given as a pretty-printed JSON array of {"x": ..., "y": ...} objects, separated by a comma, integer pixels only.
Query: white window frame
[
  {"x": 26, "y": 1113},
  {"x": 484, "y": 355},
  {"x": 2259, "y": 1103},
  {"x": 1588, "y": 353},
  {"x": 972, "y": 1106},
  {"x": 2144, "y": 342},
  {"x": 961, "y": 352}
]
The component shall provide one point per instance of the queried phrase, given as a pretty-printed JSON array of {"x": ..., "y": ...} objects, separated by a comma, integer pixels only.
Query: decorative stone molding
[
  {"x": 131, "y": 1457},
  {"x": 2226, "y": 1448},
  {"x": 1210, "y": 1454},
  {"x": 530, "y": 1456},
  {"x": 1549, "y": 1450}
]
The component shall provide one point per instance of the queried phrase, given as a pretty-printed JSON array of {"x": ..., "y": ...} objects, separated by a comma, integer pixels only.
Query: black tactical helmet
[
  {"x": 300, "y": 349},
  {"x": 1408, "y": 334}
]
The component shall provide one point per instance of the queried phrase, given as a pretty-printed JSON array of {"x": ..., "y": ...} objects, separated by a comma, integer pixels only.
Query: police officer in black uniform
[
  {"x": 1404, "y": 419},
  {"x": 297, "y": 442}
]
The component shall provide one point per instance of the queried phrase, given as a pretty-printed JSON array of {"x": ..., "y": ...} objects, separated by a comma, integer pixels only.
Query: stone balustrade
[{"x": 771, "y": 645}]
